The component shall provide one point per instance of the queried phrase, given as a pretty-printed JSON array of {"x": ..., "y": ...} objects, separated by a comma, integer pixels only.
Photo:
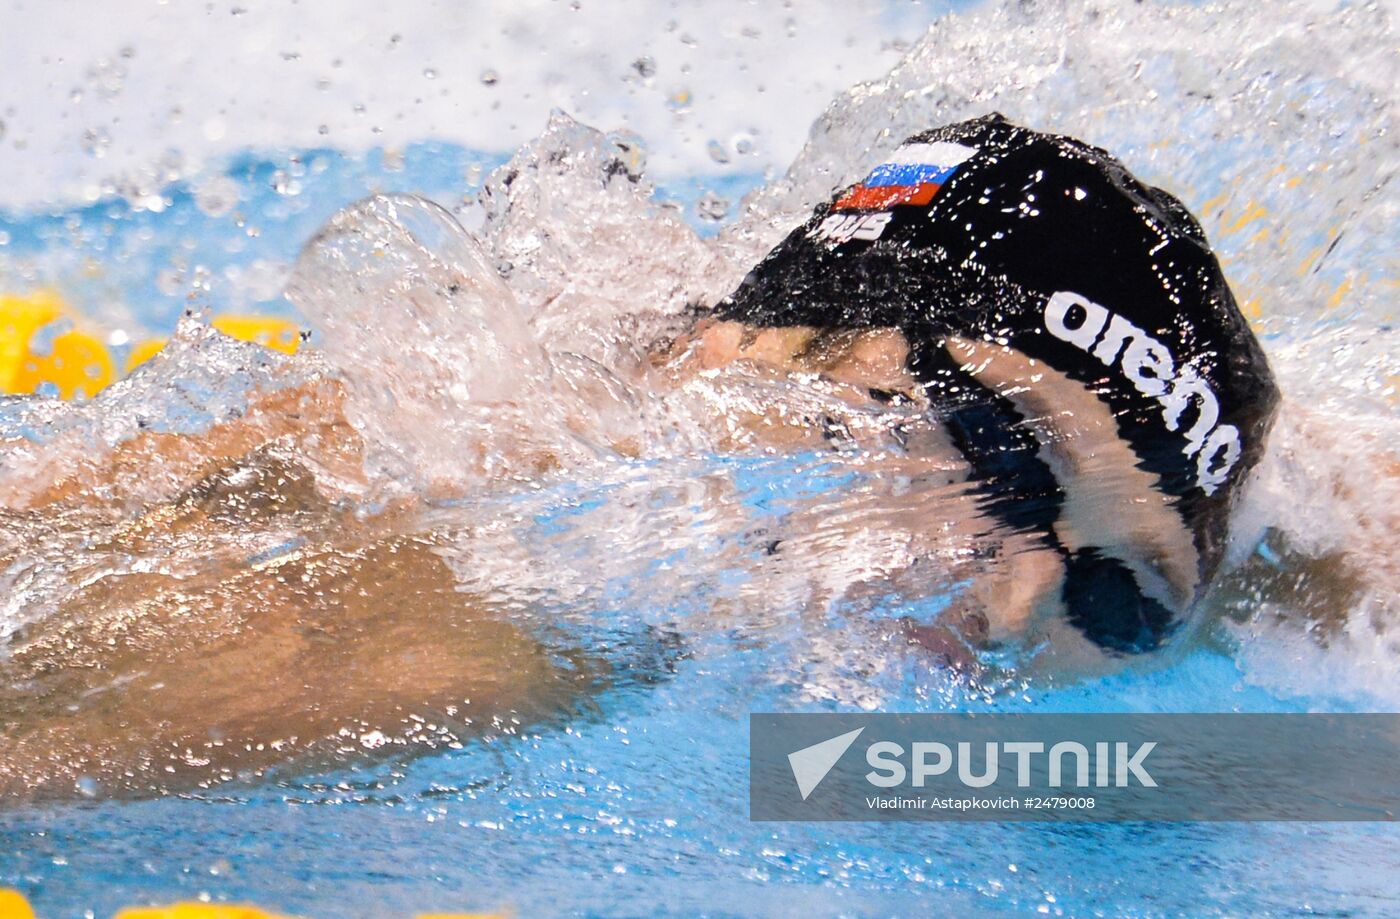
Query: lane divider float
[
  {"x": 13, "y": 905},
  {"x": 42, "y": 348}
]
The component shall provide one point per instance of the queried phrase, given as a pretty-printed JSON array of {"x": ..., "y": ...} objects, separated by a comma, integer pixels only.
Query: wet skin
[
  {"x": 1109, "y": 504},
  {"x": 158, "y": 680},
  {"x": 353, "y": 644}
]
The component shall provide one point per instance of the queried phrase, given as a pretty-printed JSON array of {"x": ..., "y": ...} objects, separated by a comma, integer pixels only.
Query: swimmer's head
[{"x": 1050, "y": 299}]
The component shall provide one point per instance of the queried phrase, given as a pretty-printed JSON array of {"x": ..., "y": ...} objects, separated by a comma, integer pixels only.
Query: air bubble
[{"x": 489, "y": 77}]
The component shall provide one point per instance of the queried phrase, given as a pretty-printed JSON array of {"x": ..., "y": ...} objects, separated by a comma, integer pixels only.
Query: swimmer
[
  {"x": 1056, "y": 336},
  {"x": 1074, "y": 341}
]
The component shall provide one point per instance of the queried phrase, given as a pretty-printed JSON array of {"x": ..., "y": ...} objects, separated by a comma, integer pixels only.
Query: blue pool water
[
  {"x": 148, "y": 249},
  {"x": 639, "y": 808},
  {"x": 633, "y": 801}
]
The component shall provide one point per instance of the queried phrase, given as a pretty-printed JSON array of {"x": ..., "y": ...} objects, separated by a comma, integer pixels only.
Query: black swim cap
[{"x": 991, "y": 232}]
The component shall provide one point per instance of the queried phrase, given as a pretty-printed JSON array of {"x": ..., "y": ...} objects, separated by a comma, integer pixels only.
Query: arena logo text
[{"x": 1153, "y": 370}]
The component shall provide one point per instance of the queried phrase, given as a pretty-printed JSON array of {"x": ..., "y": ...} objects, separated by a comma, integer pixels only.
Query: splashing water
[
  {"x": 487, "y": 456},
  {"x": 466, "y": 366},
  {"x": 1277, "y": 130}
]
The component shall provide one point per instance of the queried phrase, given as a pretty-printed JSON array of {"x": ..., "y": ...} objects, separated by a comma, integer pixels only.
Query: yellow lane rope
[
  {"x": 13, "y": 905},
  {"x": 43, "y": 346}
]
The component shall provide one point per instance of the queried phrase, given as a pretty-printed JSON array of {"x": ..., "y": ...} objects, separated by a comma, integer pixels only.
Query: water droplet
[
  {"x": 743, "y": 143},
  {"x": 679, "y": 99},
  {"x": 711, "y": 206},
  {"x": 107, "y": 77},
  {"x": 323, "y": 130},
  {"x": 429, "y": 73},
  {"x": 717, "y": 151},
  {"x": 489, "y": 77},
  {"x": 217, "y": 197},
  {"x": 170, "y": 282},
  {"x": 631, "y": 154},
  {"x": 88, "y": 787},
  {"x": 95, "y": 142},
  {"x": 285, "y": 184}
]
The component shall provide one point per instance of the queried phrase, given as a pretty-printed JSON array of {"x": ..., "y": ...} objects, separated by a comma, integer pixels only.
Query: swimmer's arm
[
  {"x": 1004, "y": 596},
  {"x": 152, "y": 683},
  {"x": 788, "y": 388},
  {"x": 1111, "y": 504},
  {"x": 153, "y": 467}
]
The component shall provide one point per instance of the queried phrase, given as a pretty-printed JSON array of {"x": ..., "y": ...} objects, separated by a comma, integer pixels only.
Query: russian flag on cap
[{"x": 912, "y": 175}]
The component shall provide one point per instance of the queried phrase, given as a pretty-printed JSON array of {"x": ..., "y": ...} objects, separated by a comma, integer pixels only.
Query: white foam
[{"x": 86, "y": 98}]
